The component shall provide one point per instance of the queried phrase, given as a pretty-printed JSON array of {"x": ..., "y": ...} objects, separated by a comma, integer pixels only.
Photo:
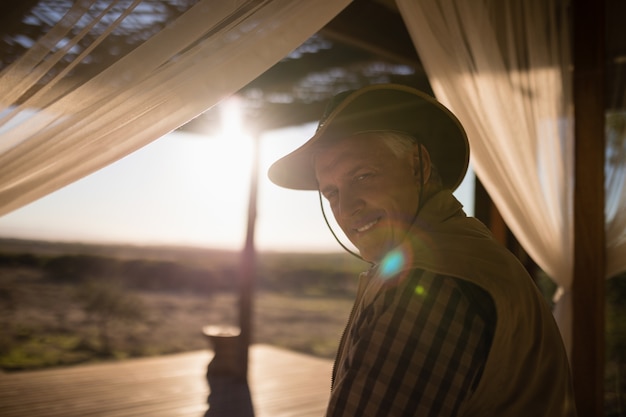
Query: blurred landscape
[{"x": 64, "y": 304}]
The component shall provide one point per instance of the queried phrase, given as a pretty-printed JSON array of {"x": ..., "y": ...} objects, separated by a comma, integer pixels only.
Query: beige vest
[{"x": 527, "y": 372}]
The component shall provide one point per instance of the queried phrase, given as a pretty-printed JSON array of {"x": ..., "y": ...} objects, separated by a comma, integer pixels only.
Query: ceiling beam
[{"x": 375, "y": 28}]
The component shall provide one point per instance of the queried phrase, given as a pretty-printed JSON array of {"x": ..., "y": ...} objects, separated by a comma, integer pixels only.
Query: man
[{"x": 446, "y": 321}]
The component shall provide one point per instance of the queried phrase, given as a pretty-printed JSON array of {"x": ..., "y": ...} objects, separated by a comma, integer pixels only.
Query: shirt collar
[{"x": 423, "y": 236}]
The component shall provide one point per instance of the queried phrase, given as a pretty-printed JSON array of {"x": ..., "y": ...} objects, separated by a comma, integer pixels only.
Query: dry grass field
[{"x": 56, "y": 308}]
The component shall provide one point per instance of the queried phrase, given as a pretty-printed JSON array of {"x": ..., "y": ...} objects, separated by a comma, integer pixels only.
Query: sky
[{"x": 187, "y": 189}]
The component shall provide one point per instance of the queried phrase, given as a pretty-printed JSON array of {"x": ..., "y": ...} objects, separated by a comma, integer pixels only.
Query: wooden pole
[
  {"x": 487, "y": 212},
  {"x": 589, "y": 240},
  {"x": 248, "y": 267}
]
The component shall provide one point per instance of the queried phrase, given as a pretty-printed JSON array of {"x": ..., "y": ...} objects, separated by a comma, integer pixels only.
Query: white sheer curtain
[
  {"x": 54, "y": 134},
  {"x": 502, "y": 67}
]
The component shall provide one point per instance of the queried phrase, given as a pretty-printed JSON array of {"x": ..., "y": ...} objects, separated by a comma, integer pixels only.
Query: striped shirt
[{"x": 414, "y": 346}]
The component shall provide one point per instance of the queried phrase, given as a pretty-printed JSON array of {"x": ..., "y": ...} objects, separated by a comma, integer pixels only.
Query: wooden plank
[
  {"x": 589, "y": 240},
  {"x": 282, "y": 383}
]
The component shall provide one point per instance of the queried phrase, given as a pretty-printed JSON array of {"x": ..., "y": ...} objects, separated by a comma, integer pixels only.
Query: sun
[{"x": 235, "y": 146}]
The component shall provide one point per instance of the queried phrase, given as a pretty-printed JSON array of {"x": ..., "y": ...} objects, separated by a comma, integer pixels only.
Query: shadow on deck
[{"x": 281, "y": 383}]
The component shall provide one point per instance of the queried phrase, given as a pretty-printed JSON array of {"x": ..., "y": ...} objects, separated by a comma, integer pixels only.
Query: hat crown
[{"x": 334, "y": 102}]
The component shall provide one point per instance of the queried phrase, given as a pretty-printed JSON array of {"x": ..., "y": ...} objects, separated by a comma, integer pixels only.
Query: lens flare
[{"x": 392, "y": 263}]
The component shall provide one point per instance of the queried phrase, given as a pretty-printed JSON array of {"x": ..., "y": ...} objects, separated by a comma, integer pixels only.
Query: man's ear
[{"x": 421, "y": 163}]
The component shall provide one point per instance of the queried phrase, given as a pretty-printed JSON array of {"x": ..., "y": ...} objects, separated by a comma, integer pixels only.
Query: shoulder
[
  {"x": 424, "y": 292},
  {"x": 423, "y": 283}
]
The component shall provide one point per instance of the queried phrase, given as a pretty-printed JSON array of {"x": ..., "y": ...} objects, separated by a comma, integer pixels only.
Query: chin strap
[{"x": 333, "y": 232}]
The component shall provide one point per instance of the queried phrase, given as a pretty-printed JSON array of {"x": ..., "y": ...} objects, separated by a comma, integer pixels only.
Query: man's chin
[{"x": 372, "y": 253}]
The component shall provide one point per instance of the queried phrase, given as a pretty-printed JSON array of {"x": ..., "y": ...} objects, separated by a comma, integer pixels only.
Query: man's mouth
[{"x": 367, "y": 226}]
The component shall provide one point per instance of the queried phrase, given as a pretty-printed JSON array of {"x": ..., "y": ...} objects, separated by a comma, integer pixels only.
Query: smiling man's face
[{"x": 374, "y": 194}]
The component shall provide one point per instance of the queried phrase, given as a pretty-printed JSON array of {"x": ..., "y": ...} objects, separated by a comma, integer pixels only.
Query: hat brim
[{"x": 383, "y": 107}]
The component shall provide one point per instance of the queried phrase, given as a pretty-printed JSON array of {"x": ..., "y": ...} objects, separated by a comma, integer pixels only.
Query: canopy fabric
[
  {"x": 509, "y": 82},
  {"x": 56, "y": 128}
]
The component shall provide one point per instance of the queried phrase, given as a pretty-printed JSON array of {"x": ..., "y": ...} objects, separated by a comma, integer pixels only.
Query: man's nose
[{"x": 349, "y": 204}]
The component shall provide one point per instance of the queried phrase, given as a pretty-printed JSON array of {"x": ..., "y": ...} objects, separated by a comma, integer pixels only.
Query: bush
[
  {"x": 77, "y": 268},
  {"x": 105, "y": 301}
]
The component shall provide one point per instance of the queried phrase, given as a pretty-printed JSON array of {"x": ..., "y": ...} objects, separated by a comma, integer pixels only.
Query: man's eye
[
  {"x": 362, "y": 177},
  {"x": 330, "y": 194}
]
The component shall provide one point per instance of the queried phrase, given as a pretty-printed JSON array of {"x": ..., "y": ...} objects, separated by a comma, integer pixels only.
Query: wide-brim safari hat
[{"x": 376, "y": 108}]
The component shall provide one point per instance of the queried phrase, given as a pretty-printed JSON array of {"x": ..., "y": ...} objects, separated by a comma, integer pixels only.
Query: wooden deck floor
[{"x": 281, "y": 383}]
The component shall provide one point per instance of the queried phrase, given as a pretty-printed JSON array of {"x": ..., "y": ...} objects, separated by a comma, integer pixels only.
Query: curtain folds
[
  {"x": 508, "y": 81},
  {"x": 56, "y": 128}
]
